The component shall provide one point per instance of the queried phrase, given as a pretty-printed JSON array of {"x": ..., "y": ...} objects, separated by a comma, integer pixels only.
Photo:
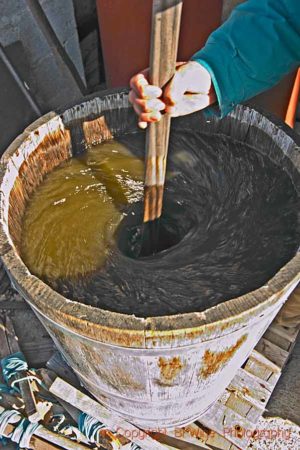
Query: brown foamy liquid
[{"x": 71, "y": 218}]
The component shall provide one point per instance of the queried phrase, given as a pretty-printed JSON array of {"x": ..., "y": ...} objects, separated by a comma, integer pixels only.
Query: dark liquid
[
  {"x": 136, "y": 239},
  {"x": 229, "y": 224}
]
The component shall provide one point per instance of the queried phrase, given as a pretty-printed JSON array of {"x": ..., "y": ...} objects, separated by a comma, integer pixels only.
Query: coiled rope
[
  {"x": 13, "y": 365},
  {"x": 24, "y": 430},
  {"x": 93, "y": 430},
  {"x": 70, "y": 431},
  {"x": 90, "y": 427}
]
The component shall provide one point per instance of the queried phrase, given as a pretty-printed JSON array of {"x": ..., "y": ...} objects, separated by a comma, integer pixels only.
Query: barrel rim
[{"x": 129, "y": 330}]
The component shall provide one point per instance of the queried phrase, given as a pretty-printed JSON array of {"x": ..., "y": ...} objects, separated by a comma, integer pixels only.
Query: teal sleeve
[{"x": 252, "y": 50}]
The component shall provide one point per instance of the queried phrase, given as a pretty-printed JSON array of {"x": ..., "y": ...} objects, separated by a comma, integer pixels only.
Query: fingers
[
  {"x": 145, "y": 101},
  {"x": 154, "y": 116},
  {"x": 147, "y": 106},
  {"x": 142, "y": 88},
  {"x": 175, "y": 89},
  {"x": 145, "y": 118},
  {"x": 190, "y": 90},
  {"x": 143, "y": 125}
]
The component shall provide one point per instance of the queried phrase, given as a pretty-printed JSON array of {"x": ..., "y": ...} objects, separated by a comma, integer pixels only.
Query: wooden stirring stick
[{"x": 166, "y": 15}]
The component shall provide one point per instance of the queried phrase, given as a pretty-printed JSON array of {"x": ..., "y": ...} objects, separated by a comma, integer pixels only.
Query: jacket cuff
[{"x": 225, "y": 86}]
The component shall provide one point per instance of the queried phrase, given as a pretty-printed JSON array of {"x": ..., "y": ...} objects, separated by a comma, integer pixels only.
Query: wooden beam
[
  {"x": 273, "y": 352},
  {"x": 113, "y": 421}
]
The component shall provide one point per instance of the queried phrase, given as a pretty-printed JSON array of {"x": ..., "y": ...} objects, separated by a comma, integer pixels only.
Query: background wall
[{"x": 41, "y": 55}]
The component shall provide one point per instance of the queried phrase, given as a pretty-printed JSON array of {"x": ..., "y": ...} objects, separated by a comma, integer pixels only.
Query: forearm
[{"x": 252, "y": 50}]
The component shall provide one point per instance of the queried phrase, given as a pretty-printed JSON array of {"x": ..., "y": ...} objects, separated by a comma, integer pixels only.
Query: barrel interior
[
  {"x": 50, "y": 143},
  {"x": 55, "y": 138}
]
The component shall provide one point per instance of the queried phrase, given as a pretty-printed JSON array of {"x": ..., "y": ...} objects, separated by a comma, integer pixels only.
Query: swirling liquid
[
  {"x": 230, "y": 222},
  {"x": 70, "y": 221}
]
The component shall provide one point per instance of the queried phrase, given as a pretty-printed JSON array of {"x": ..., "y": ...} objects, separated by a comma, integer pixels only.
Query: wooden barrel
[{"x": 155, "y": 371}]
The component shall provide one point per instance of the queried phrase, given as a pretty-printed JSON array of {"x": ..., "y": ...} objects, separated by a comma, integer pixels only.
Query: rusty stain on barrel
[
  {"x": 213, "y": 361},
  {"x": 155, "y": 371},
  {"x": 169, "y": 368}
]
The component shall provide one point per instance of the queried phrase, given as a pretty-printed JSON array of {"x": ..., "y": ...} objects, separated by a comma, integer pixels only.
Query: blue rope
[
  {"x": 91, "y": 428},
  {"x": 5, "y": 389},
  {"x": 23, "y": 431},
  {"x": 12, "y": 365}
]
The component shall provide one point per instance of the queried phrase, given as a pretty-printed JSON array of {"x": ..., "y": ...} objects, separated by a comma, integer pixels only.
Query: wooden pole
[{"x": 166, "y": 15}]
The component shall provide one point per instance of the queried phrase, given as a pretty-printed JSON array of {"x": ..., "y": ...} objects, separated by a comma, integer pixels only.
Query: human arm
[
  {"x": 249, "y": 53},
  {"x": 252, "y": 50}
]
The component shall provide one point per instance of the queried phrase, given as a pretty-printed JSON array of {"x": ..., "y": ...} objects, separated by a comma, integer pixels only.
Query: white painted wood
[
  {"x": 115, "y": 423},
  {"x": 274, "y": 353},
  {"x": 253, "y": 389},
  {"x": 217, "y": 441},
  {"x": 261, "y": 367},
  {"x": 288, "y": 333},
  {"x": 227, "y": 423}
]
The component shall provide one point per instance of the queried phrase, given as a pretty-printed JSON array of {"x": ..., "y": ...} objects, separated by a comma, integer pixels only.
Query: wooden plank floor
[{"x": 230, "y": 422}]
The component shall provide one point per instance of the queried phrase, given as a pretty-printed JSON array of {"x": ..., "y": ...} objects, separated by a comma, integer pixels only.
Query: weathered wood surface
[
  {"x": 192, "y": 434},
  {"x": 115, "y": 423},
  {"x": 36, "y": 344},
  {"x": 166, "y": 16},
  {"x": 228, "y": 423},
  {"x": 251, "y": 388},
  {"x": 173, "y": 442},
  {"x": 245, "y": 399},
  {"x": 59, "y": 366},
  {"x": 4, "y": 280},
  {"x": 235, "y": 415},
  {"x": 108, "y": 441},
  {"x": 246, "y": 396},
  {"x": 274, "y": 353},
  {"x": 261, "y": 367},
  {"x": 169, "y": 368}
]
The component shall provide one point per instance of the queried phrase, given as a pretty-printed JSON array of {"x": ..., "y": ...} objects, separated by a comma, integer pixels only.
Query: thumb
[
  {"x": 190, "y": 77},
  {"x": 190, "y": 103},
  {"x": 175, "y": 89}
]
